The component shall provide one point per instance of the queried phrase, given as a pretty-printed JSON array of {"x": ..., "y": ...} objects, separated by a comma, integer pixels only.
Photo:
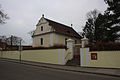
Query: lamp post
[
  {"x": 11, "y": 41},
  {"x": 20, "y": 49}
]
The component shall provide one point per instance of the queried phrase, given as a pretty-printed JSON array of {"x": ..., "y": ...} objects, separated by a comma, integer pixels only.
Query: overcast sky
[{"x": 24, "y": 14}]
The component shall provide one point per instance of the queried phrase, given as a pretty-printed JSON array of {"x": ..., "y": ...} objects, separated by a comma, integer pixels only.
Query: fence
[{"x": 52, "y": 56}]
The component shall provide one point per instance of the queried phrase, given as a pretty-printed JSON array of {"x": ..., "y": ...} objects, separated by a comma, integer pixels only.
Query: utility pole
[
  {"x": 11, "y": 41},
  {"x": 20, "y": 49}
]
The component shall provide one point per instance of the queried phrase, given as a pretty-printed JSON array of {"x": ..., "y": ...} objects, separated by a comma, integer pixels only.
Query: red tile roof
[{"x": 63, "y": 29}]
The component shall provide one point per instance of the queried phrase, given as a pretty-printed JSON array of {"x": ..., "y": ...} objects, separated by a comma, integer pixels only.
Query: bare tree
[
  {"x": 3, "y": 16},
  {"x": 3, "y": 38},
  {"x": 93, "y": 14},
  {"x": 31, "y": 33},
  {"x": 13, "y": 40},
  {"x": 89, "y": 29}
]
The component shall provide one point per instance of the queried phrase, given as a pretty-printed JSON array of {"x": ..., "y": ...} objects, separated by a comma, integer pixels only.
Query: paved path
[{"x": 16, "y": 71}]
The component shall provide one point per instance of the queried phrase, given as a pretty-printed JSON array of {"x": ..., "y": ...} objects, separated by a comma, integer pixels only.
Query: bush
[
  {"x": 56, "y": 46},
  {"x": 52, "y": 47},
  {"x": 100, "y": 46}
]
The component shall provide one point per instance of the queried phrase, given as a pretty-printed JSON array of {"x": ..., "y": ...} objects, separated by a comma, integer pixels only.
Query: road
[{"x": 16, "y": 71}]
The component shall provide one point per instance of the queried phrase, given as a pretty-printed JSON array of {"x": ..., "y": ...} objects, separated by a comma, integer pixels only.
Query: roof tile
[{"x": 63, "y": 29}]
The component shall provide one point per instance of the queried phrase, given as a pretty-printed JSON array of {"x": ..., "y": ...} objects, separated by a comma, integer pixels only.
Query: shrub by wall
[{"x": 100, "y": 46}]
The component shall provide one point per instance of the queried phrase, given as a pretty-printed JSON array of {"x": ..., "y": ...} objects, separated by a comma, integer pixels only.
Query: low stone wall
[{"x": 52, "y": 56}]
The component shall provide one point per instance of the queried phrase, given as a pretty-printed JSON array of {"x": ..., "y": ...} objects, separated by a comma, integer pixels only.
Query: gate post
[
  {"x": 84, "y": 58},
  {"x": 70, "y": 44},
  {"x": 84, "y": 42}
]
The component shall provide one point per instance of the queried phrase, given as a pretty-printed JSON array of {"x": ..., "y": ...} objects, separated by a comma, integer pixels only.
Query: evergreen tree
[
  {"x": 89, "y": 29},
  {"x": 104, "y": 27},
  {"x": 100, "y": 30},
  {"x": 113, "y": 20}
]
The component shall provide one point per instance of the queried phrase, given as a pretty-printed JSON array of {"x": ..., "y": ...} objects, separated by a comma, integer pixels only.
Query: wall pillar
[
  {"x": 84, "y": 57},
  {"x": 70, "y": 44},
  {"x": 84, "y": 53},
  {"x": 84, "y": 42}
]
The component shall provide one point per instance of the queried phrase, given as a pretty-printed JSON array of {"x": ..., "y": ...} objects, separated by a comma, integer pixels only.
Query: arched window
[
  {"x": 41, "y": 41},
  {"x": 41, "y": 28}
]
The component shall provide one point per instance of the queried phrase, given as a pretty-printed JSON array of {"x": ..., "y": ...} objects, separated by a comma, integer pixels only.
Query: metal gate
[{"x": 76, "y": 51}]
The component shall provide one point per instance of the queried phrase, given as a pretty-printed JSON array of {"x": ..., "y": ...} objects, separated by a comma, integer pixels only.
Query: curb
[{"x": 28, "y": 63}]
